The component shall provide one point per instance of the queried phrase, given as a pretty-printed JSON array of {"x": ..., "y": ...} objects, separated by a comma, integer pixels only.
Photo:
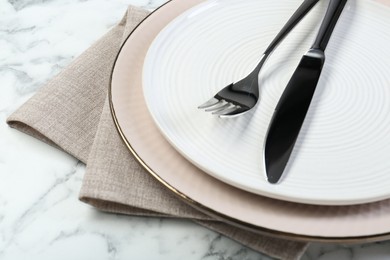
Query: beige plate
[{"x": 357, "y": 223}]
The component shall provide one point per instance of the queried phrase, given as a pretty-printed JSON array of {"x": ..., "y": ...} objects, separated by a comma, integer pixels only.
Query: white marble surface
[{"x": 40, "y": 214}]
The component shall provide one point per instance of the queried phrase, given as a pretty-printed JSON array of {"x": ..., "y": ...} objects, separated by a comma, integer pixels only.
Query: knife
[{"x": 292, "y": 107}]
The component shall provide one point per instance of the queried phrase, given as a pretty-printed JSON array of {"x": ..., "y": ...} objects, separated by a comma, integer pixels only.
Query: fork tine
[
  {"x": 211, "y": 102},
  {"x": 220, "y": 105},
  {"x": 234, "y": 113},
  {"x": 226, "y": 110},
  {"x": 219, "y": 108},
  {"x": 228, "y": 106}
]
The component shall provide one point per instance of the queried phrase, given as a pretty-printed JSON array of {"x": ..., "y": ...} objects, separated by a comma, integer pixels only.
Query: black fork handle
[
  {"x": 302, "y": 10},
  {"x": 333, "y": 13}
]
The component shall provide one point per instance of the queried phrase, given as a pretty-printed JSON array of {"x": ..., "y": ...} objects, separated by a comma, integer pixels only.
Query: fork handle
[
  {"x": 331, "y": 16},
  {"x": 302, "y": 10}
]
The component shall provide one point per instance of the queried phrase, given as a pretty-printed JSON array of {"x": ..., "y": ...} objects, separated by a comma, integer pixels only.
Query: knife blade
[{"x": 294, "y": 103}]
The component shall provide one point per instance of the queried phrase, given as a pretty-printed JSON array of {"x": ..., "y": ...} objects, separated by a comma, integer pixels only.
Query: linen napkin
[{"x": 72, "y": 113}]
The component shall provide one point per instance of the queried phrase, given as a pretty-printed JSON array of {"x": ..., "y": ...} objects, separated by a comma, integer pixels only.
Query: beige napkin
[{"x": 72, "y": 112}]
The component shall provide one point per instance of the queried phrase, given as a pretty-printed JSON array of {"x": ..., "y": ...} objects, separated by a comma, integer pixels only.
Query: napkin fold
[{"x": 72, "y": 113}]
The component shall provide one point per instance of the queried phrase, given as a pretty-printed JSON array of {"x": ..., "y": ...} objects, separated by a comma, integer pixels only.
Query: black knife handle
[
  {"x": 332, "y": 15},
  {"x": 302, "y": 10}
]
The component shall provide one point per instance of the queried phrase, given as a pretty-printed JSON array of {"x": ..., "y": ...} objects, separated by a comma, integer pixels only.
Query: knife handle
[
  {"x": 302, "y": 10},
  {"x": 329, "y": 22}
]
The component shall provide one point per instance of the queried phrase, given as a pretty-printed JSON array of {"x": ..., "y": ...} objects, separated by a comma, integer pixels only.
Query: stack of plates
[{"x": 336, "y": 186}]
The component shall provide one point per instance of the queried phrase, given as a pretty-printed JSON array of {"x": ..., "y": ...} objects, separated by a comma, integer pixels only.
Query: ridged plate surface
[
  {"x": 342, "y": 153},
  {"x": 354, "y": 223}
]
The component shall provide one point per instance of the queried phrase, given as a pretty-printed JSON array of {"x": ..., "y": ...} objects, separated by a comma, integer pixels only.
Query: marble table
[{"x": 40, "y": 214}]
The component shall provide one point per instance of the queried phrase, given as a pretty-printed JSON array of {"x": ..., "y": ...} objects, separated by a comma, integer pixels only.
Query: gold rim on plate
[{"x": 302, "y": 222}]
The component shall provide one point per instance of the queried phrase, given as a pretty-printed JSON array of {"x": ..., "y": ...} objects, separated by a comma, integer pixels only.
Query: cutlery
[
  {"x": 239, "y": 97},
  {"x": 292, "y": 107}
]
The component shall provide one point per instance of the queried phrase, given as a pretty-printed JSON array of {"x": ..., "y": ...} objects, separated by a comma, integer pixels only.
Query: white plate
[{"x": 342, "y": 153}]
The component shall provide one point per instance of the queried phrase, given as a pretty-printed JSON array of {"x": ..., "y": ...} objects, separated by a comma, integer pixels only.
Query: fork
[{"x": 238, "y": 98}]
